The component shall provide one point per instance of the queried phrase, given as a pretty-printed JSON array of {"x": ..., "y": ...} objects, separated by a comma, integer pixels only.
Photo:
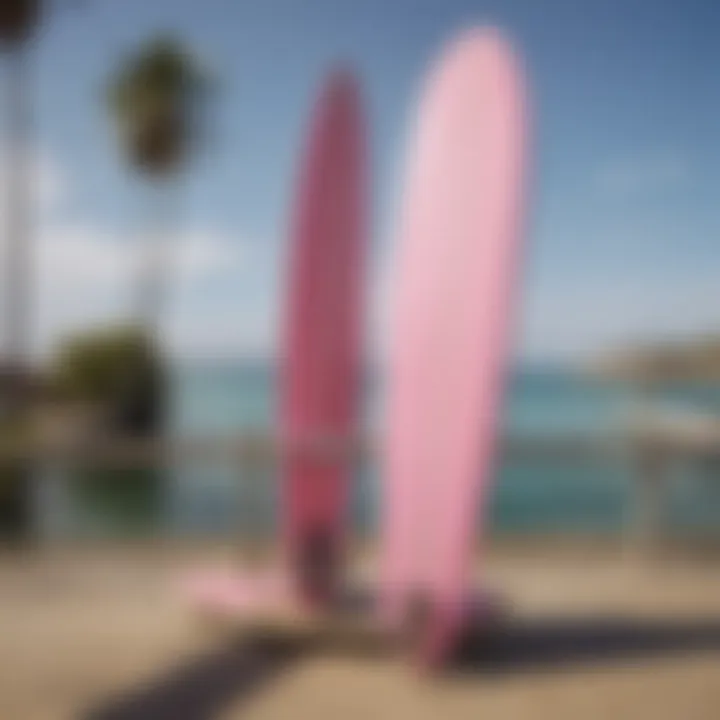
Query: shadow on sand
[
  {"x": 547, "y": 644},
  {"x": 202, "y": 687}
]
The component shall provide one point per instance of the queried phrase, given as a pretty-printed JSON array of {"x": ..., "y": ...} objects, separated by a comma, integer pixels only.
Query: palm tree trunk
[
  {"x": 154, "y": 270},
  {"x": 15, "y": 486},
  {"x": 144, "y": 405},
  {"x": 17, "y": 282}
]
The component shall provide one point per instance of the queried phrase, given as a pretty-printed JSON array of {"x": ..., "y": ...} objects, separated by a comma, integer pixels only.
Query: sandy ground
[{"x": 104, "y": 635}]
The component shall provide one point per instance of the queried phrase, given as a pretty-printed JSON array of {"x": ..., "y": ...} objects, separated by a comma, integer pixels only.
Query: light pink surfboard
[
  {"x": 320, "y": 375},
  {"x": 456, "y": 275}
]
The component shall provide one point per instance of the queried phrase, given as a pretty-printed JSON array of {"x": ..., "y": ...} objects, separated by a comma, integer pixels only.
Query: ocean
[{"x": 544, "y": 494}]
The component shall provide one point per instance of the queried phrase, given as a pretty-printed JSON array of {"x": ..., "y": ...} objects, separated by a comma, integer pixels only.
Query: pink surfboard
[
  {"x": 320, "y": 375},
  {"x": 456, "y": 276},
  {"x": 321, "y": 372}
]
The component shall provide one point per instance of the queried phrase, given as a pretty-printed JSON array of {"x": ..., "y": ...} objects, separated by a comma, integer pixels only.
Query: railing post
[{"x": 649, "y": 478}]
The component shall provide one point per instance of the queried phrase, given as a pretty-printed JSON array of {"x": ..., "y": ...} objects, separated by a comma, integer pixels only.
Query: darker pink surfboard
[
  {"x": 321, "y": 358},
  {"x": 456, "y": 275},
  {"x": 319, "y": 375}
]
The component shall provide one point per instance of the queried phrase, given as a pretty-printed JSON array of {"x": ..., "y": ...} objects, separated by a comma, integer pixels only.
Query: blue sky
[{"x": 625, "y": 219}]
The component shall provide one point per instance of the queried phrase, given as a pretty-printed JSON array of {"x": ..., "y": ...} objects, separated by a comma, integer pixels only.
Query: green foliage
[
  {"x": 155, "y": 99},
  {"x": 122, "y": 498},
  {"x": 18, "y": 18},
  {"x": 119, "y": 370},
  {"x": 95, "y": 366}
]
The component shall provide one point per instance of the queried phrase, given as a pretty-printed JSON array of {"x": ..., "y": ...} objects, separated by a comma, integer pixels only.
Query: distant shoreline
[{"x": 689, "y": 361}]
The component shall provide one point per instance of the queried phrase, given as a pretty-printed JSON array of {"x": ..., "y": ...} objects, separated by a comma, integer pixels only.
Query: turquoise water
[{"x": 530, "y": 495}]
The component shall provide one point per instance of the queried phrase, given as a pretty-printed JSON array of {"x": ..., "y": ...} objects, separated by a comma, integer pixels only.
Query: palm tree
[
  {"x": 157, "y": 100},
  {"x": 18, "y": 20}
]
